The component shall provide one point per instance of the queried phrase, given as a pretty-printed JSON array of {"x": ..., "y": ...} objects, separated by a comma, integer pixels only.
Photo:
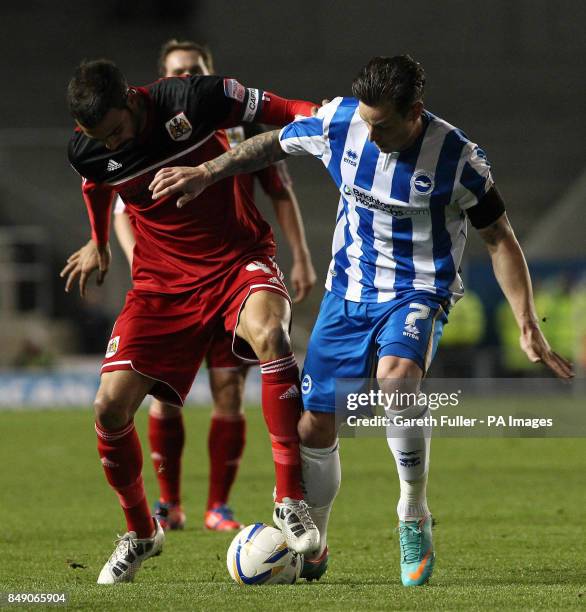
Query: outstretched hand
[
  {"x": 537, "y": 349},
  {"x": 83, "y": 263},
  {"x": 189, "y": 182},
  {"x": 303, "y": 278}
]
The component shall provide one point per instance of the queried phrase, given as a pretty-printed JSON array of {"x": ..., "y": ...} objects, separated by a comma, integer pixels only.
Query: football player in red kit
[
  {"x": 192, "y": 270},
  {"x": 227, "y": 373}
]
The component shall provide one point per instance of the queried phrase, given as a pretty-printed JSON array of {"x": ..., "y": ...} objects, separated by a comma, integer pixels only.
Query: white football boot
[
  {"x": 129, "y": 554},
  {"x": 292, "y": 517}
]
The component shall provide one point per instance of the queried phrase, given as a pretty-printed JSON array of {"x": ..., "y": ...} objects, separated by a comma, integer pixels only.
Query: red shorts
[
  {"x": 166, "y": 336},
  {"x": 220, "y": 354}
]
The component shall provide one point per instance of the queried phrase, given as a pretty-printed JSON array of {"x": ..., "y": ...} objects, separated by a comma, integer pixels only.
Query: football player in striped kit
[{"x": 407, "y": 180}]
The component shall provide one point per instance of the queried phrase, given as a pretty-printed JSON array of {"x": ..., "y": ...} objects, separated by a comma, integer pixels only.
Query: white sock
[
  {"x": 321, "y": 483},
  {"x": 410, "y": 447},
  {"x": 412, "y": 504}
]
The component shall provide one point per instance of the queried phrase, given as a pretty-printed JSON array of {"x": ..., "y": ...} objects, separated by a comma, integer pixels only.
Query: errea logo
[
  {"x": 422, "y": 182},
  {"x": 350, "y": 157}
]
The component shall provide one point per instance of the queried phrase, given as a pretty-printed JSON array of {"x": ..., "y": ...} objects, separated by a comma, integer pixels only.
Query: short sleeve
[
  {"x": 475, "y": 177},
  {"x": 304, "y": 137}
]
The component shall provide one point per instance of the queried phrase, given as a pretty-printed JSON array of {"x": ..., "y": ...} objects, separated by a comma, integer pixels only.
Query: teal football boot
[
  {"x": 417, "y": 556},
  {"x": 314, "y": 569}
]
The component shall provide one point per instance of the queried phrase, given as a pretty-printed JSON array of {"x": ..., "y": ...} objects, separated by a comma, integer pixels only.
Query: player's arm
[
  {"x": 249, "y": 156},
  {"x": 288, "y": 215},
  {"x": 511, "y": 271},
  {"x": 277, "y": 184},
  {"x": 303, "y": 277},
  {"x": 250, "y": 105},
  {"x": 95, "y": 255},
  {"x": 123, "y": 230},
  {"x": 304, "y": 137}
]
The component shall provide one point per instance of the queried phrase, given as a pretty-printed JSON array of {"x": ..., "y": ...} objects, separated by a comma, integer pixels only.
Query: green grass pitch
[{"x": 510, "y": 528}]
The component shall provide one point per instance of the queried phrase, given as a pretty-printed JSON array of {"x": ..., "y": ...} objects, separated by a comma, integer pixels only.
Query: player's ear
[{"x": 416, "y": 110}]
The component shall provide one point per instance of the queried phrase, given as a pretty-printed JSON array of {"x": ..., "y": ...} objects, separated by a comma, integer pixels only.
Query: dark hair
[
  {"x": 399, "y": 79},
  {"x": 95, "y": 88},
  {"x": 184, "y": 45}
]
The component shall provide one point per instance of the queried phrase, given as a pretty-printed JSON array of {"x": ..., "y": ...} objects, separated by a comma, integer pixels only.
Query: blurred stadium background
[{"x": 509, "y": 74}]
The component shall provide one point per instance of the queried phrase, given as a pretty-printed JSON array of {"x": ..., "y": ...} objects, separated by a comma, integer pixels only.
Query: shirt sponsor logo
[
  {"x": 368, "y": 200},
  {"x": 233, "y": 89},
  {"x": 179, "y": 127},
  {"x": 112, "y": 347},
  {"x": 422, "y": 183}
]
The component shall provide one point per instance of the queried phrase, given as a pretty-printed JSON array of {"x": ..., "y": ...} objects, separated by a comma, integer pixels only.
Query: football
[{"x": 259, "y": 555}]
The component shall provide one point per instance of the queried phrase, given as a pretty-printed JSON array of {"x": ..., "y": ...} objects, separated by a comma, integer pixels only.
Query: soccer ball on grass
[{"x": 259, "y": 555}]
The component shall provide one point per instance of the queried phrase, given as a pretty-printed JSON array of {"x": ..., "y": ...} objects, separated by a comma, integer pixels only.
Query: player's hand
[
  {"x": 315, "y": 109},
  {"x": 189, "y": 182},
  {"x": 303, "y": 278},
  {"x": 83, "y": 263},
  {"x": 537, "y": 348}
]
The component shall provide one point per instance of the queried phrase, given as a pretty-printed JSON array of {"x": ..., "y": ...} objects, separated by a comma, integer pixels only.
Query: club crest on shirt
[
  {"x": 112, "y": 347},
  {"x": 179, "y": 127},
  {"x": 422, "y": 182}
]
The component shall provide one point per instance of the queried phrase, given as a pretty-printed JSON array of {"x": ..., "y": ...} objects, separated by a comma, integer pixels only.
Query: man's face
[
  {"x": 119, "y": 126},
  {"x": 182, "y": 62},
  {"x": 387, "y": 128}
]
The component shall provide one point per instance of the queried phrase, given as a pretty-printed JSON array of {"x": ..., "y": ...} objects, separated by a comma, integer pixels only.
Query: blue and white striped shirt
[{"x": 400, "y": 224}]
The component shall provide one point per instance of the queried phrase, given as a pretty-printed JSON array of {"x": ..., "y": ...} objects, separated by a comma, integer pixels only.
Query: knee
[
  {"x": 163, "y": 411},
  {"x": 110, "y": 411},
  {"x": 398, "y": 374},
  {"x": 317, "y": 429},
  {"x": 270, "y": 340},
  {"x": 227, "y": 392}
]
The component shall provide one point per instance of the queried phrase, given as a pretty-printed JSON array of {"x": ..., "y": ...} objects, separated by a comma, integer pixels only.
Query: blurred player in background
[
  {"x": 408, "y": 180},
  {"x": 227, "y": 372},
  {"x": 191, "y": 272}
]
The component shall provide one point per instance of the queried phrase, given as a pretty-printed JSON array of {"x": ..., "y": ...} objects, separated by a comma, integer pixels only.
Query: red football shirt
[{"x": 180, "y": 249}]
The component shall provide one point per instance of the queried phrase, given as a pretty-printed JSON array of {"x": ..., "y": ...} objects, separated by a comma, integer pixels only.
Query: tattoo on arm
[{"x": 251, "y": 155}]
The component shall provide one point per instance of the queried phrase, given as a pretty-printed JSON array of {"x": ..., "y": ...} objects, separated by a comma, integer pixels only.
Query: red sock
[
  {"x": 281, "y": 406},
  {"x": 225, "y": 445},
  {"x": 121, "y": 457},
  {"x": 167, "y": 437}
]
